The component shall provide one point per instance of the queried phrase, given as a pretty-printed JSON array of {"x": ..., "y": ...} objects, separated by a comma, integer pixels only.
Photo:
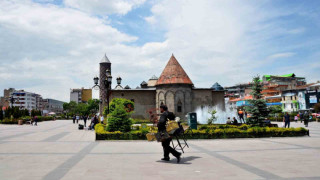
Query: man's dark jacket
[{"x": 162, "y": 121}]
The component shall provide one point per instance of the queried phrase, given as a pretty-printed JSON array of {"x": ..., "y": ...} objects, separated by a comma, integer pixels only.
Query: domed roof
[
  {"x": 173, "y": 73},
  {"x": 217, "y": 87}
]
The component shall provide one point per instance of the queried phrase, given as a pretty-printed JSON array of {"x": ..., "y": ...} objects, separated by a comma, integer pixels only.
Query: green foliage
[
  {"x": 119, "y": 117},
  {"x": 213, "y": 118},
  {"x": 70, "y": 107},
  {"x": 35, "y": 112},
  {"x": 25, "y": 119},
  {"x": 128, "y": 105},
  {"x": 93, "y": 106},
  {"x": 212, "y": 132},
  {"x": 140, "y": 121},
  {"x": 73, "y": 108},
  {"x": 15, "y": 112},
  {"x": 258, "y": 107},
  {"x": 275, "y": 109}
]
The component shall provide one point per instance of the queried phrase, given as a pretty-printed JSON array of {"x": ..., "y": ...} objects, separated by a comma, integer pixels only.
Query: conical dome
[
  {"x": 105, "y": 59},
  {"x": 173, "y": 73}
]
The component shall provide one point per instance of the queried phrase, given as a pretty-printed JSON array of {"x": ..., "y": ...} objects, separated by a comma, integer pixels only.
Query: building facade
[
  {"x": 53, "y": 105},
  {"x": 24, "y": 100},
  {"x": 173, "y": 88},
  {"x": 80, "y": 95}
]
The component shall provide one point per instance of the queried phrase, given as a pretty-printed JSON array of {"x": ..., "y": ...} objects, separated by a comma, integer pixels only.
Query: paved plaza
[{"x": 58, "y": 150}]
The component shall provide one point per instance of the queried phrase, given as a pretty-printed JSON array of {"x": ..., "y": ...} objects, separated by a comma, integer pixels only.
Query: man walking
[
  {"x": 85, "y": 117},
  {"x": 167, "y": 149},
  {"x": 240, "y": 114},
  {"x": 77, "y": 117},
  {"x": 286, "y": 120},
  {"x": 306, "y": 118},
  {"x": 74, "y": 119}
]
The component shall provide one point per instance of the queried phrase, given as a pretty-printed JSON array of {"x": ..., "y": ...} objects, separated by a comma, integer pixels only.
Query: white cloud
[
  {"x": 48, "y": 49},
  {"x": 104, "y": 7},
  {"x": 150, "y": 19},
  {"x": 281, "y": 55}
]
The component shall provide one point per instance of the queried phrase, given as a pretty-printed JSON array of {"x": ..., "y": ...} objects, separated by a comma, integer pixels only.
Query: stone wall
[
  {"x": 143, "y": 100},
  {"x": 177, "y": 97}
]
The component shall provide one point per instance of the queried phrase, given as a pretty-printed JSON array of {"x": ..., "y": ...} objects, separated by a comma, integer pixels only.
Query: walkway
[{"x": 58, "y": 150}]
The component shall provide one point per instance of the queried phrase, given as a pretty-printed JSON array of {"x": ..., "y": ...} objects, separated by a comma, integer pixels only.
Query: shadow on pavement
[{"x": 184, "y": 160}]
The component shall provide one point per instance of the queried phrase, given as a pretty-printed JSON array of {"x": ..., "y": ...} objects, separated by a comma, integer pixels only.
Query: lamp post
[{"x": 107, "y": 85}]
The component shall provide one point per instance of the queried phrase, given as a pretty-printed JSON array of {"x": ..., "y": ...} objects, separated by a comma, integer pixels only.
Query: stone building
[{"x": 173, "y": 88}]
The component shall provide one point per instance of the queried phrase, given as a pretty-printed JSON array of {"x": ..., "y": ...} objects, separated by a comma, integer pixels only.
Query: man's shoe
[
  {"x": 165, "y": 159},
  {"x": 179, "y": 158}
]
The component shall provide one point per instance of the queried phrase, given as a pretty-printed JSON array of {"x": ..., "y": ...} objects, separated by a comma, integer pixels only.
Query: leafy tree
[
  {"x": 93, "y": 106},
  {"x": 258, "y": 107},
  {"x": 82, "y": 109},
  {"x": 213, "y": 116},
  {"x": 275, "y": 109}
]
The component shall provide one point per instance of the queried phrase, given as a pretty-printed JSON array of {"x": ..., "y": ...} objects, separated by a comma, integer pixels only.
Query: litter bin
[
  {"x": 192, "y": 120},
  {"x": 20, "y": 122}
]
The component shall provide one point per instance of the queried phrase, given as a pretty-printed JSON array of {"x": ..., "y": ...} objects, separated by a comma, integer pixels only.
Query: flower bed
[{"x": 208, "y": 132}]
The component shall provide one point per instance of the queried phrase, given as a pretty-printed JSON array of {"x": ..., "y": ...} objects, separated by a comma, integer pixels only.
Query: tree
[
  {"x": 257, "y": 106},
  {"x": 128, "y": 105},
  {"x": 82, "y": 109},
  {"x": 93, "y": 106},
  {"x": 213, "y": 116},
  {"x": 119, "y": 117},
  {"x": 275, "y": 109}
]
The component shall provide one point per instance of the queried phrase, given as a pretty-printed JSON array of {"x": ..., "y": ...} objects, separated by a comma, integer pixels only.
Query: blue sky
[{"x": 50, "y": 46}]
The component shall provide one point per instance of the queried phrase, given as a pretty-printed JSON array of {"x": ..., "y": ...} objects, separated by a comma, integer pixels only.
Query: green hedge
[
  {"x": 211, "y": 132},
  {"x": 141, "y": 121},
  {"x": 25, "y": 119}
]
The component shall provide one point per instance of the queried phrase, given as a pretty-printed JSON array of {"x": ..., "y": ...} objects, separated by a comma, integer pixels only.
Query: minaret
[{"x": 104, "y": 65}]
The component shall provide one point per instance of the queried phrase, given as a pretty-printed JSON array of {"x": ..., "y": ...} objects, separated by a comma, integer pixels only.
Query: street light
[
  {"x": 119, "y": 80},
  {"x": 107, "y": 85}
]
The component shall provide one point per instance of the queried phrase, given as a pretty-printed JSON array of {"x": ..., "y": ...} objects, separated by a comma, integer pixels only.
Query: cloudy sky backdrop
[{"x": 50, "y": 46}]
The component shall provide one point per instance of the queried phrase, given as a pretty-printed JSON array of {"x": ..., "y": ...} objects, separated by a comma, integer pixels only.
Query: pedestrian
[
  {"x": 77, "y": 118},
  {"x": 286, "y": 120},
  {"x": 306, "y": 118},
  {"x": 235, "y": 121},
  {"x": 167, "y": 149},
  {"x": 101, "y": 119},
  {"x": 85, "y": 117},
  {"x": 35, "y": 120},
  {"x": 74, "y": 119},
  {"x": 229, "y": 121},
  {"x": 301, "y": 116},
  {"x": 94, "y": 121},
  {"x": 240, "y": 114}
]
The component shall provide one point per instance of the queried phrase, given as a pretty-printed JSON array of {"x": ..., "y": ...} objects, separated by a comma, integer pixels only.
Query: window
[{"x": 179, "y": 108}]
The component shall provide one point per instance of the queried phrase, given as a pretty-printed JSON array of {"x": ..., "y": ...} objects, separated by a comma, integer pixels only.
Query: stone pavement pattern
[{"x": 58, "y": 150}]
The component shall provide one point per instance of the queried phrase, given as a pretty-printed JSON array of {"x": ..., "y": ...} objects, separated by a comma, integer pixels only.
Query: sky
[{"x": 50, "y": 46}]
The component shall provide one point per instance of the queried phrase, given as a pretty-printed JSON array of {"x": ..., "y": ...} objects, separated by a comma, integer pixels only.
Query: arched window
[{"x": 179, "y": 108}]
